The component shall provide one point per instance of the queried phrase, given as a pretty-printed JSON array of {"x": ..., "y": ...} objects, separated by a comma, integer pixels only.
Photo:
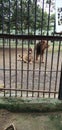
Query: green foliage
[{"x": 22, "y": 16}]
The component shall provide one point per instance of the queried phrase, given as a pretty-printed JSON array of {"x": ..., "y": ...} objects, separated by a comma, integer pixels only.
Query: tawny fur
[{"x": 27, "y": 57}]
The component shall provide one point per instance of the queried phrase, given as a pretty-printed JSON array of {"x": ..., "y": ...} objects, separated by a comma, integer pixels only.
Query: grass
[{"x": 56, "y": 120}]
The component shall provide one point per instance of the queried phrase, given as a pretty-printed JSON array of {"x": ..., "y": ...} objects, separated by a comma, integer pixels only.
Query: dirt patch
[
  {"x": 31, "y": 121},
  {"x": 29, "y": 76}
]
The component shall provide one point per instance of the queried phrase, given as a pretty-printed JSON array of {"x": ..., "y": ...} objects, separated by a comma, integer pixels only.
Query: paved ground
[{"x": 25, "y": 78}]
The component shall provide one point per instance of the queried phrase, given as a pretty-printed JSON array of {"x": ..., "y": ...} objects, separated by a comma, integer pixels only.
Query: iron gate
[{"x": 19, "y": 31}]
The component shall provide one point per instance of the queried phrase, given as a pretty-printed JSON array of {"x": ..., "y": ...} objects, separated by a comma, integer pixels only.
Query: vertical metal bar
[
  {"x": 9, "y": 50},
  {"x": 42, "y": 16},
  {"x": 16, "y": 68},
  {"x": 21, "y": 16},
  {"x": 28, "y": 47},
  {"x": 51, "y": 63},
  {"x": 22, "y": 69},
  {"x": 34, "y": 49},
  {"x": 2, "y": 17},
  {"x": 41, "y": 48},
  {"x": 4, "y": 62},
  {"x": 3, "y": 44},
  {"x": 60, "y": 86},
  {"x": 51, "y": 68},
  {"x": 16, "y": 54},
  {"x": 10, "y": 64},
  {"x": 39, "y": 77},
  {"x": 57, "y": 67},
  {"x": 47, "y": 49},
  {"x": 22, "y": 51},
  {"x": 48, "y": 18}
]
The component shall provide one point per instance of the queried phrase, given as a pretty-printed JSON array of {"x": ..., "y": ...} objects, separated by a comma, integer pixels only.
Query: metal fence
[{"x": 19, "y": 31}]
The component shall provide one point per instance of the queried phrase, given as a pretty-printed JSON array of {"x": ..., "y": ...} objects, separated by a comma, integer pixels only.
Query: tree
[
  {"x": 21, "y": 16},
  {"x": 5, "y": 13}
]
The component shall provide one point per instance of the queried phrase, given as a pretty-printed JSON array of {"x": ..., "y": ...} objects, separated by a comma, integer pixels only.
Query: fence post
[{"x": 60, "y": 86}]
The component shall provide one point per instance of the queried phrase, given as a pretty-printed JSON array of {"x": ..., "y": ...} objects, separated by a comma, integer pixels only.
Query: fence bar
[
  {"x": 47, "y": 48},
  {"x": 22, "y": 69},
  {"x": 9, "y": 50},
  {"x": 4, "y": 63},
  {"x": 41, "y": 50},
  {"x": 10, "y": 64},
  {"x": 28, "y": 16},
  {"x": 42, "y": 16},
  {"x": 30, "y": 70},
  {"x": 60, "y": 86},
  {"x": 22, "y": 50},
  {"x": 27, "y": 90},
  {"x": 57, "y": 67},
  {"x": 16, "y": 67},
  {"x": 45, "y": 71},
  {"x": 3, "y": 45},
  {"x": 32, "y": 37},
  {"x": 34, "y": 49},
  {"x": 51, "y": 70},
  {"x": 16, "y": 24}
]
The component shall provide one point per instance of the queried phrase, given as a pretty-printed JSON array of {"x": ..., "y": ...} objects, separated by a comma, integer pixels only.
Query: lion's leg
[
  {"x": 42, "y": 57},
  {"x": 37, "y": 56}
]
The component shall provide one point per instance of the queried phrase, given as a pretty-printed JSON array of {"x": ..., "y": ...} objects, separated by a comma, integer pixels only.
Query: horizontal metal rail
[
  {"x": 29, "y": 70},
  {"x": 28, "y": 90},
  {"x": 31, "y": 37}
]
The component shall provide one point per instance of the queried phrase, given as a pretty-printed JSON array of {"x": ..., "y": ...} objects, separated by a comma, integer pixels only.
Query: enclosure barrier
[
  {"x": 25, "y": 79},
  {"x": 60, "y": 86},
  {"x": 23, "y": 24}
]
